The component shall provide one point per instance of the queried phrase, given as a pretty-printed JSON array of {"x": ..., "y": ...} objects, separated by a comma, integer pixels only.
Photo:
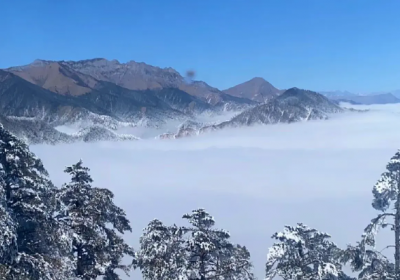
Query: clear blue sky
[{"x": 315, "y": 44}]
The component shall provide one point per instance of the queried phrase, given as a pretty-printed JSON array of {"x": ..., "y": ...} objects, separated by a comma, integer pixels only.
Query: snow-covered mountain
[
  {"x": 108, "y": 94},
  {"x": 366, "y": 99},
  {"x": 99, "y": 96},
  {"x": 105, "y": 94},
  {"x": 294, "y": 105},
  {"x": 105, "y": 104},
  {"x": 34, "y": 131}
]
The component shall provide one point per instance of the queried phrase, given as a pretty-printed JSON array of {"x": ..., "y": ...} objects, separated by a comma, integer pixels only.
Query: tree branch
[{"x": 388, "y": 246}]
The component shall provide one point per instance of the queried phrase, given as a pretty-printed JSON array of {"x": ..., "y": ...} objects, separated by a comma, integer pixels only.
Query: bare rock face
[
  {"x": 256, "y": 89},
  {"x": 81, "y": 77},
  {"x": 56, "y": 77},
  {"x": 141, "y": 76}
]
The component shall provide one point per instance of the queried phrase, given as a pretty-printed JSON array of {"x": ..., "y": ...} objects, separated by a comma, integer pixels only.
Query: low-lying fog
[{"x": 252, "y": 180}]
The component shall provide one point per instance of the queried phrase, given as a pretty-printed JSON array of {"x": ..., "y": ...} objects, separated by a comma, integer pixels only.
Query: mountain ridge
[
  {"x": 294, "y": 105},
  {"x": 80, "y": 77},
  {"x": 99, "y": 96}
]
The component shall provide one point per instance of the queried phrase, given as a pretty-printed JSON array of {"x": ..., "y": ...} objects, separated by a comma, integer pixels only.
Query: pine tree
[
  {"x": 196, "y": 252},
  {"x": 211, "y": 254},
  {"x": 304, "y": 253},
  {"x": 386, "y": 199},
  {"x": 371, "y": 264},
  {"x": 8, "y": 236},
  {"x": 161, "y": 254},
  {"x": 95, "y": 222},
  {"x": 28, "y": 195}
]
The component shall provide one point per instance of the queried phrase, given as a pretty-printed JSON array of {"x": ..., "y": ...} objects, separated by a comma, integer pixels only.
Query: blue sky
[{"x": 315, "y": 44}]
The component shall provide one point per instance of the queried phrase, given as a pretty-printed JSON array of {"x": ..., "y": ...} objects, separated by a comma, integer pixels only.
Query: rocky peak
[{"x": 257, "y": 89}]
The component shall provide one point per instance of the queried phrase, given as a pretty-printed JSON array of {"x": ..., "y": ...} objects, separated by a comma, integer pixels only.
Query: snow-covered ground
[
  {"x": 143, "y": 132},
  {"x": 253, "y": 180}
]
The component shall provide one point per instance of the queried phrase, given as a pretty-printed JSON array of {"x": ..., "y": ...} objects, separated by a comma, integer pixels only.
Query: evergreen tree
[
  {"x": 27, "y": 200},
  {"x": 302, "y": 253},
  {"x": 386, "y": 199},
  {"x": 210, "y": 253},
  {"x": 8, "y": 236},
  {"x": 371, "y": 264},
  {"x": 196, "y": 252},
  {"x": 161, "y": 254},
  {"x": 95, "y": 222}
]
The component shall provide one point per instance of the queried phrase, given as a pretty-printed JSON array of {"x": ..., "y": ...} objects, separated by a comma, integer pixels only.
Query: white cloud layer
[{"x": 253, "y": 180}]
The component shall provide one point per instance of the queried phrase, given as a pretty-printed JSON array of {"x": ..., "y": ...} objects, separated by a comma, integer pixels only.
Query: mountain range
[
  {"x": 366, "y": 99},
  {"x": 78, "y": 78},
  {"x": 293, "y": 105},
  {"x": 99, "y": 96}
]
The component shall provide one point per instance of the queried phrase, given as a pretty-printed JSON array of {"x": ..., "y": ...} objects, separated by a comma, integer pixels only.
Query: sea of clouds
[{"x": 252, "y": 180}]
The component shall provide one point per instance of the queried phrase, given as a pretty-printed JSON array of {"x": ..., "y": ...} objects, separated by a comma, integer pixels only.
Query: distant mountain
[
  {"x": 396, "y": 93},
  {"x": 56, "y": 77},
  {"x": 51, "y": 93},
  {"x": 337, "y": 94},
  {"x": 385, "y": 98},
  {"x": 338, "y": 101},
  {"x": 141, "y": 76},
  {"x": 364, "y": 99},
  {"x": 23, "y": 99},
  {"x": 294, "y": 105},
  {"x": 81, "y": 77},
  {"x": 99, "y": 96},
  {"x": 256, "y": 89}
]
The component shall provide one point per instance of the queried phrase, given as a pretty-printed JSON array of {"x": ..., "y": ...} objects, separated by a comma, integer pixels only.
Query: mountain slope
[
  {"x": 141, "y": 76},
  {"x": 294, "y": 105},
  {"x": 181, "y": 101},
  {"x": 56, "y": 77},
  {"x": 34, "y": 131},
  {"x": 23, "y": 99},
  {"x": 256, "y": 89},
  {"x": 81, "y": 77}
]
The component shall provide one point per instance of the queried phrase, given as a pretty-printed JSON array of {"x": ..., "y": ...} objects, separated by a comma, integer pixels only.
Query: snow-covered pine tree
[
  {"x": 95, "y": 222},
  {"x": 161, "y": 255},
  {"x": 116, "y": 249},
  {"x": 210, "y": 253},
  {"x": 304, "y": 253},
  {"x": 197, "y": 252},
  {"x": 8, "y": 235},
  {"x": 371, "y": 264},
  {"x": 28, "y": 195},
  {"x": 386, "y": 194}
]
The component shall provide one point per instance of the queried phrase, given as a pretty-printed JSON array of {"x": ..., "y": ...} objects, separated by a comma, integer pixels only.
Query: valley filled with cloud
[{"x": 253, "y": 180}]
